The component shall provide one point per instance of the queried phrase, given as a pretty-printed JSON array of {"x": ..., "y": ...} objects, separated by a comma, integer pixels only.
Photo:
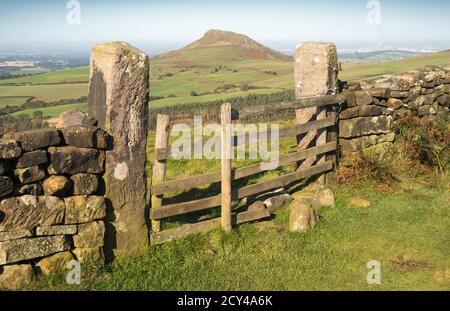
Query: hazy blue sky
[{"x": 293, "y": 20}]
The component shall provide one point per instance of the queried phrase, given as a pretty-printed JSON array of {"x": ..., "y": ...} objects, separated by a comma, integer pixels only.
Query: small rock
[
  {"x": 15, "y": 235},
  {"x": 6, "y": 186},
  {"x": 84, "y": 184},
  {"x": 32, "y": 158},
  {"x": 258, "y": 205},
  {"x": 303, "y": 216},
  {"x": 30, "y": 175},
  {"x": 359, "y": 203},
  {"x": 57, "y": 186},
  {"x": 16, "y": 277},
  {"x": 394, "y": 103},
  {"x": 54, "y": 263},
  {"x": 90, "y": 255},
  {"x": 9, "y": 149},
  {"x": 275, "y": 203},
  {"x": 90, "y": 235},
  {"x": 325, "y": 197}
]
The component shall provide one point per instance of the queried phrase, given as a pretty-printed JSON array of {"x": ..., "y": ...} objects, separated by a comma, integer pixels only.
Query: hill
[{"x": 237, "y": 45}]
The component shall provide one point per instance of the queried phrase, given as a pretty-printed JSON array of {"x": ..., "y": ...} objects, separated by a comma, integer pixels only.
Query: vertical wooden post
[
  {"x": 332, "y": 136},
  {"x": 321, "y": 140},
  {"x": 159, "y": 167},
  {"x": 225, "y": 114}
]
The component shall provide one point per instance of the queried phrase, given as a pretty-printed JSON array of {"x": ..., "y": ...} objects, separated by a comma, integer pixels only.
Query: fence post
[
  {"x": 159, "y": 166},
  {"x": 225, "y": 114},
  {"x": 316, "y": 71}
]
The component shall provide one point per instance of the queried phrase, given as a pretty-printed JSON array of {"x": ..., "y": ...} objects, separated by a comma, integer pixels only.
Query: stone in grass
[
  {"x": 37, "y": 139},
  {"x": 84, "y": 184},
  {"x": 54, "y": 263},
  {"x": 9, "y": 149},
  {"x": 15, "y": 235},
  {"x": 30, "y": 175},
  {"x": 90, "y": 255},
  {"x": 303, "y": 216},
  {"x": 57, "y": 230},
  {"x": 6, "y": 186},
  {"x": 16, "y": 277},
  {"x": 24, "y": 249},
  {"x": 325, "y": 196},
  {"x": 82, "y": 209},
  {"x": 275, "y": 203},
  {"x": 90, "y": 235},
  {"x": 57, "y": 186},
  {"x": 258, "y": 205},
  {"x": 32, "y": 158},
  {"x": 359, "y": 203}
]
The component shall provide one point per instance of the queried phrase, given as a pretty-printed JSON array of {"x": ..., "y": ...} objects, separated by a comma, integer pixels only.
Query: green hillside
[{"x": 220, "y": 65}]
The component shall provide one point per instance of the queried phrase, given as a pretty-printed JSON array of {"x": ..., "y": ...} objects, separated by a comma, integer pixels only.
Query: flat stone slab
[
  {"x": 37, "y": 139},
  {"x": 25, "y": 249},
  {"x": 82, "y": 209},
  {"x": 28, "y": 212},
  {"x": 15, "y": 235},
  {"x": 57, "y": 230},
  {"x": 74, "y": 160}
]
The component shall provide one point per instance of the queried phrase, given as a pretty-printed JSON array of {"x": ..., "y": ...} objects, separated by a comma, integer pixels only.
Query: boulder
[
  {"x": 303, "y": 216},
  {"x": 32, "y": 158},
  {"x": 54, "y": 263},
  {"x": 9, "y": 149},
  {"x": 57, "y": 186},
  {"x": 73, "y": 160},
  {"x": 15, "y": 235},
  {"x": 258, "y": 205},
  {"x": 28, "y": 212},
  {"x": 37, "y": 138},
  {"x": 82, "y": 209},
  {"x": 24, "y": 249},
  {"x": 275, "y": 203},
  {"x": 6, "y": 186},
  {"x": 16, "y": 277},
  {"x": 57, "y": 230},
  {"x": 325, "y": 196},
  {"x": 90, "y": 255},
  {"x": 30, "y": 175},
  {"x": 84, "y": 184},
  {"x": 90, "y": 235}
]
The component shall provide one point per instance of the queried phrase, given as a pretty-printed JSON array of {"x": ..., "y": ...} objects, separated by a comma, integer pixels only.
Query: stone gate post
[
  {"x": 118, "y": 98},
  {"x": 316, "y": 74}
]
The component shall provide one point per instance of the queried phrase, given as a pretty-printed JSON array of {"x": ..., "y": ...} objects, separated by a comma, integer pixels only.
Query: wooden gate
[{"x": 315, "y": 158}]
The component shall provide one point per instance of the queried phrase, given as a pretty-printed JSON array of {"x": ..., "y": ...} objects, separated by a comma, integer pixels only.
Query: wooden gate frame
[{"x": 322, "y": 150}]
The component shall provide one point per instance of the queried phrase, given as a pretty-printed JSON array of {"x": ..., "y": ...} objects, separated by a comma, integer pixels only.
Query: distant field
[
  {"x": 210, "y": 69},
  {"x": 52, "y": 112},
  {"x": 69, "y": 75},
  {"x": 46, "y": 92},
  {"x": 12, "y": 101}
]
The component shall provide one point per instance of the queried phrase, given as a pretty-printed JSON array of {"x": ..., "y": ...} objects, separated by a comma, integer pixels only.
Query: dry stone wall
[
  {"x": 52, "y": 202},
  {"x": 373, "y": 106}
]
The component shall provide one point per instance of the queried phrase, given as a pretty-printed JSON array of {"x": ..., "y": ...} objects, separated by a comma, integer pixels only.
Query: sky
[{"x": 265, "y": 21}]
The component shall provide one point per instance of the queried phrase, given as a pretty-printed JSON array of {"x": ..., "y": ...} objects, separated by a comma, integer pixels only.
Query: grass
[
  {"x": 404, "y": 230},
  {"x": 55, "y": 111},
  {"x": 68, "y": 75},
  {"x": 46, "y": 93}
]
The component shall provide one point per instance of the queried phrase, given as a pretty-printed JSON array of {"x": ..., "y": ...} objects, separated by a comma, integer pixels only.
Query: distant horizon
[{"x": 372, "y": 22}]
